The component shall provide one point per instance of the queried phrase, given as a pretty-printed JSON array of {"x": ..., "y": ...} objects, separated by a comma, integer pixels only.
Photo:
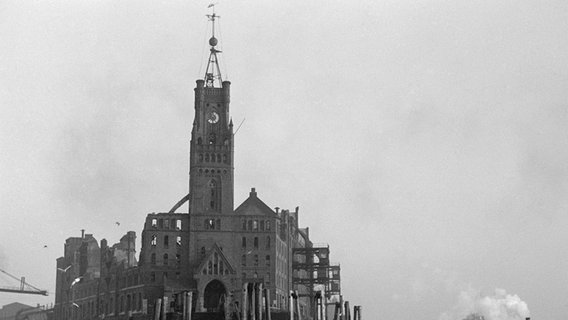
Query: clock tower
[{"x": 211, "y": 150}]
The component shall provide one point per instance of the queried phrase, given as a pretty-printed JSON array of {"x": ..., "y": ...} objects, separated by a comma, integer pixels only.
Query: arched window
[
  {"x": 214, "y": 195},
  {"x": 154, "y": 240}
]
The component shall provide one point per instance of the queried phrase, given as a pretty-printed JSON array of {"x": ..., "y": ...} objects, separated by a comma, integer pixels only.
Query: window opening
[
  {"x": 154, "y": 222},
  {"x": 178, "y": 224},
  {"x": 166, "y": 241},
  {"x": 154, "y": 240}
]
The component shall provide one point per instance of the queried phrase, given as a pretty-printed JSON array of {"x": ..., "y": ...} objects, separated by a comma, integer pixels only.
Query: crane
[{"x": 22, "y": 288}]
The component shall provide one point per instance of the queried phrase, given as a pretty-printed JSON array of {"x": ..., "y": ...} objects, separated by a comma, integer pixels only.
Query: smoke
[{"x": 500, "y": 306}]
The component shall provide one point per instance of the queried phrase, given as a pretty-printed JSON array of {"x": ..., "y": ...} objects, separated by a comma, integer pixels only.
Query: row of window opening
[
  {"x": 255, "y": 260},
  {"x": 165, "y": 259},
  {"x": 166, "y": 242},
  {"x": 255, "y": 243},
  {"x": 256, "y": 225},
  {"x": 165, "y": 223},
  {"x": 213, "y": 157}
]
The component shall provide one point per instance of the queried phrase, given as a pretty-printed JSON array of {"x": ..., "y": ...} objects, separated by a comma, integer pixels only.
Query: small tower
[{"x": 211, "y": 150}]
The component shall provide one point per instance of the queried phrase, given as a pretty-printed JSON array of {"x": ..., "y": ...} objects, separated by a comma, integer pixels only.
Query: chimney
[
  {"x": 82, "y": 233},
  {"x": 253, "y": 192}
]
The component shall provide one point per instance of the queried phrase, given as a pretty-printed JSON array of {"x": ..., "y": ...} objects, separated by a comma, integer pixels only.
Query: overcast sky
[{"x": 425, "y": 141}]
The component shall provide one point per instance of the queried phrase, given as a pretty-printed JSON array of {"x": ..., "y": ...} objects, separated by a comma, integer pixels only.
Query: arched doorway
[{"x": 214, "y": 296}]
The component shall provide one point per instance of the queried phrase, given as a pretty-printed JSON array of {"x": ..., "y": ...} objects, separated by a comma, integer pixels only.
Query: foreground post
[
  {"x": 267, "y": 303},
  {"x": 189, "y": 297},
  {"x": 157, "y": 309},
  {"x": 244, "y": 306},
  {"x": 347, "y": 313}
]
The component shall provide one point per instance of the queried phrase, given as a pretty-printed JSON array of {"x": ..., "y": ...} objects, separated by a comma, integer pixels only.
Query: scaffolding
[{"x": 312, "y": 269}]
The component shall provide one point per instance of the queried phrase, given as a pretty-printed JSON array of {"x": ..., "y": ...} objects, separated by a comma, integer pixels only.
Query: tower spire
[{"x": 213, "y": 72}]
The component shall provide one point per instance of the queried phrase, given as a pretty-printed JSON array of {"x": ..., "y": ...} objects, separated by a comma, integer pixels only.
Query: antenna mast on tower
[{"x": 213, "y": 72}]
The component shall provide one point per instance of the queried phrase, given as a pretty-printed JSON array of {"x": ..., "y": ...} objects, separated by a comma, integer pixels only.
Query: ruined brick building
[{"x": 222, "y": 254}]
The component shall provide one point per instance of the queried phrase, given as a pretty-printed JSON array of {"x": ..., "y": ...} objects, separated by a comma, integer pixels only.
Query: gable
[
  {"x": 254, "y": 206},
  {"x": 215, "y": 263}
]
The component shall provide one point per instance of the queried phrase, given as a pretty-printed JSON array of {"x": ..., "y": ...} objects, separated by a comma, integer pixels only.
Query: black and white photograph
[{"x": 283, "y": 160}]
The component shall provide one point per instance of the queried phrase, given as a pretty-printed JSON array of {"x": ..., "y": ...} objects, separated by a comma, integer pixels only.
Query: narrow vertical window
[
  {"x": 268, "y": 260},
  {"x": 267, "y": 225},
  {"x": 165, "y": 259},
  {"x": 244, "y": 242},
  {"x": 244, "y": 224},
  {"x": 166, "y": 241},
  {"x": 256, "y": 260},
  {"x": 154, "y": 223},
  {"x": 178, "y": 224},
  {"x": 256, "y": 242},
  {"x": 268, "y": 242},
  {"x": 261, "y": 225},
  {"x": 244, "y": 260},
  {"x": 178, "y": 241}
]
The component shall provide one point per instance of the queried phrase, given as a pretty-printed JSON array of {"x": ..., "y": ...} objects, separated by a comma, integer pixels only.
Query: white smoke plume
[{"x": 501, "y": 306}]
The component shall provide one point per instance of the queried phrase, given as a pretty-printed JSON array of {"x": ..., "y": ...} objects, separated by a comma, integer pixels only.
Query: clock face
[{"x": 212, "y": 117}]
